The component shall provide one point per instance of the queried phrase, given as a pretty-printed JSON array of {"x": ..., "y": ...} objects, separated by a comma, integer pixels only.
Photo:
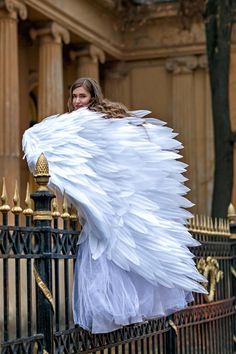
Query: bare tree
[{"x": 218, "y": 17}]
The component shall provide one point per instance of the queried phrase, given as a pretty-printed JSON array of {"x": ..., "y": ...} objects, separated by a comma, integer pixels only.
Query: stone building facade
[{"x": 143, "y": 58}]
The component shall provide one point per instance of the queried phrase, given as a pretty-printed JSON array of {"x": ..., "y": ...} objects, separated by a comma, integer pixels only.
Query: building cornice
[
  {"x": 81, "y": 24},
  {"x": 155, "y": 38}
]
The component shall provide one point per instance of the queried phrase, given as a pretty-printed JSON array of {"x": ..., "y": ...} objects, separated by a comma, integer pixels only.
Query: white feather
[{"x": 126, "y": 181}]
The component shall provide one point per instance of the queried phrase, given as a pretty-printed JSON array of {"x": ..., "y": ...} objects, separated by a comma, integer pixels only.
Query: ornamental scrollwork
[
  {"x": 14, "y": 7},
  {"x": 209, "y": 268}
]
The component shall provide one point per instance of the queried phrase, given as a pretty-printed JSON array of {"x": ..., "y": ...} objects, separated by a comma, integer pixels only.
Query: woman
[{"x": 121, "y": 172}]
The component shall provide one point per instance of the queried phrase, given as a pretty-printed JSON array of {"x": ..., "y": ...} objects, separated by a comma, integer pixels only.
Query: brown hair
[{"x": 97, "y": 103}]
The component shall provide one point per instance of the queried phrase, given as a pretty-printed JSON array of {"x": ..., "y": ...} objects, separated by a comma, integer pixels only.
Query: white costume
[{"x": 124, "y": 178}]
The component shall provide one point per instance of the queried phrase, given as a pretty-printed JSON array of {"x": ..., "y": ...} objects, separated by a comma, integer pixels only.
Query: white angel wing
[{"x": 125, "y": 179}]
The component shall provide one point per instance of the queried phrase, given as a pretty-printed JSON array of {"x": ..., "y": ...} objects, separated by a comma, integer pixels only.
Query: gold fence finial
[
  {"x": 74, "y": 214},
  {"x": 206, "y": 225},
  {"x": 65, "y": 213},
  {"x": 28, "y": 210},
  {"x": 55, "y": 212},
  {"x": 42, "y": 173},
  {"x": 5, "y": 207},
  {"x": 16, "y": 200},
  {"x": 231, "y": 214}
]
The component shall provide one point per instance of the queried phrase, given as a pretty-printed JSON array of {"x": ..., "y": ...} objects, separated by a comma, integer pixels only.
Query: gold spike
[
  {"x": 208, "y": 224},
  {"x": 16, "y": 200},
  {"x": 215, "y": 225},
  {"x": 197, "y": 222},
  {"x": 5, "y": 207},
  {"x": 28, "y": 210},
  {"x": 74, "y": 214},
  {"x": 212, "y": 224},
  {"x": 193, "y": 221},
  {"x": 228, "y": 226},
  {"x": 200, "y": 222},
  {"x": 42, "y": 173},
  {"x": 204, "y": 223},
  {"x": 225, "y": 227},
  {"x": 65, "y": 213},
  {"x": 221, "y": 225},
  {"x": 55, "y": 212},
  {"x": 231, "y": 214}
]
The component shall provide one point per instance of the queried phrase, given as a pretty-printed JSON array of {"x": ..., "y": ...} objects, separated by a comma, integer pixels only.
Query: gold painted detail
[
  {"x": 16, "y": 200},
  {"x": 73, "y": 213},
  {"x": 42, "y": 173},
  {"x": 233, "y": 271},
  {"x": 55, "y": 212},
  {"x": 42, "y": 215},
  {"x": 65, "y": 214},
  {"x": 28, "y": 210},
  {"x": 209, "y": 268},
  {"x": 234, "y": 338},
  {"x": 173, "y": 325},
  {"x": 208, "y": 226},
  {"x": 4, "y": 208},
  {"x": 43, "y": 287},
  {"x": 36, "y": 348},
  {"x": 231, "y": 214}
]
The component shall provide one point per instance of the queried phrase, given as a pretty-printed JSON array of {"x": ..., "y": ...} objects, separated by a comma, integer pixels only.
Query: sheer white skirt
[{"x": 106, "y": 297}]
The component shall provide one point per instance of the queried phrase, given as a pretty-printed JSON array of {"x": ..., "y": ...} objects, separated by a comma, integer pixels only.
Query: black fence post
[
  {"x": 171, "y": 336},
  {"x": 43, "y": 265},
  {"x": 232, "y": 221}
]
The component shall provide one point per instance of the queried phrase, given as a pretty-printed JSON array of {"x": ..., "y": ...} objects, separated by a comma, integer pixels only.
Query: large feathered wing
[{"x": 124, "y": 177}]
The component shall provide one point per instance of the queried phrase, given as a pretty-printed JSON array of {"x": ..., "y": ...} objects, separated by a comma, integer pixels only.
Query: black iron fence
[{"x": 36, "y": 277}]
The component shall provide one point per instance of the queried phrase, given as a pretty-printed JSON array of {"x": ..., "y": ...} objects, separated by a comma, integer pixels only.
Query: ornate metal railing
[{"x": 36, "y": 279}]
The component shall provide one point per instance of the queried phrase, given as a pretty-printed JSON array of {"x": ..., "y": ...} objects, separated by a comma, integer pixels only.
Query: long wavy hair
[{"x": 97, "y": 103}]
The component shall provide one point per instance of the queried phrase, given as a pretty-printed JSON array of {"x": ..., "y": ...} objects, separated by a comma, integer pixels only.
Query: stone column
[
  {"x": 192, "y": 120},
  {"x": 206, "y": 182},
  {"x": 10, "y": 145},
  {"x": 117, "y": 85},
  {"x": 88, "y": 60},
  {"x": 51, "y": 38}
]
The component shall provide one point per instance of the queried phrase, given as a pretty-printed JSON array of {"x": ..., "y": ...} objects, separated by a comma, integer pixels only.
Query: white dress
[{"x": 124, "y": 177}]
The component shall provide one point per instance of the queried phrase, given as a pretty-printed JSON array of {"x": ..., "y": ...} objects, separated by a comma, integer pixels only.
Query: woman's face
[{"x": 80, "y": 97}]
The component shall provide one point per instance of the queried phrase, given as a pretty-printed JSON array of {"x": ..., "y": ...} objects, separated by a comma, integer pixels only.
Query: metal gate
[{"x": 36, "y": 276}]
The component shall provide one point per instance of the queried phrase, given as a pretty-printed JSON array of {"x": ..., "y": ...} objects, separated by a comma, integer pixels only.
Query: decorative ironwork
[
  {"x": 5, "y": 207},
  {"x": 46, "y": 316},
  {"x": 16, "y": 200},
  {"x": 208, "y": 226},
  {"x": 76, "y": 340},
  {"x": 24, "y": 345},
  {"x": 42, "y": 173},
  {"x": 28, "y": 211},
  {"x": 233, "y": 271},
  {"x": 173, "y": 325},
  {"x": 231, "y": 214},
  {"x": 209, "y": 267},
  {"x": 65, "y": 214},
  {"x": 43, "y": 287}
]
